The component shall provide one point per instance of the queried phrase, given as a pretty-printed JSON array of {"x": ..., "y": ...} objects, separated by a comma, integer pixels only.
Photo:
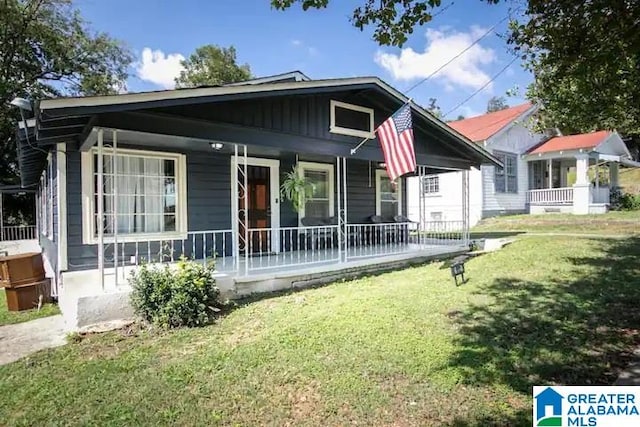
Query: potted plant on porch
[{"x": 296, "y": 188}]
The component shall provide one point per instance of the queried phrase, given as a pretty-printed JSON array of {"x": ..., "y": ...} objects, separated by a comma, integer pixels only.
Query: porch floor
[{"x": 321, "y": 260}]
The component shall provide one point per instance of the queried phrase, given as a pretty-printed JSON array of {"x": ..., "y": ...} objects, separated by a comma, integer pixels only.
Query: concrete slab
[{"x": 22, "y": 339}]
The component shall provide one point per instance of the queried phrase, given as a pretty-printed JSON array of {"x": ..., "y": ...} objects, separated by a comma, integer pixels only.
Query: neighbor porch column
[
  {"x": 582, "y": 187},
  {"x": 613, "y": 174},
  {"x": 550, "y": 173}
]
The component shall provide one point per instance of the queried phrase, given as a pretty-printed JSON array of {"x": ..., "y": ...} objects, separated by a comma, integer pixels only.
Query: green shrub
[
  {"x": 624, "y": 201},
  {"x": 175, "y": 296}
]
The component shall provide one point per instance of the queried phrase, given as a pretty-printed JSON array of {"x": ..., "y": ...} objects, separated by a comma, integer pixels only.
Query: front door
[{"x": 258, "y": 209}]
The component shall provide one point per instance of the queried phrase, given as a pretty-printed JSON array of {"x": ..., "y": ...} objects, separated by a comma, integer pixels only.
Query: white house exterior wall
[
  {"x": 484, "y": 201},
  {"x": 448, "y": 202},
  {"x": 516, "y": 140}
]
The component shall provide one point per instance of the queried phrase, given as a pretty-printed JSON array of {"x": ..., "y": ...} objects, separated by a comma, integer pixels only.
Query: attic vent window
[{"x": 351, "y": 120}]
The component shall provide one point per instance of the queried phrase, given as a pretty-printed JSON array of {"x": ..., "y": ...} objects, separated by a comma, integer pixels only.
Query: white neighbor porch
[{"x": 564, "y": 179}]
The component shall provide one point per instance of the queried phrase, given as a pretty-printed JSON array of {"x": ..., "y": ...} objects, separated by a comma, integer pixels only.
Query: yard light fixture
[
  {"x": 457, "y": 269},
  {"x": 217, "y": 145}
]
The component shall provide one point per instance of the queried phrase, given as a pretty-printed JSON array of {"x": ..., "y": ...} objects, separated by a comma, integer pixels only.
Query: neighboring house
[
  {"x": 493, "y": 190},
  {"x": 148, "y": 177},
  {"x": 523, "y": 184}
]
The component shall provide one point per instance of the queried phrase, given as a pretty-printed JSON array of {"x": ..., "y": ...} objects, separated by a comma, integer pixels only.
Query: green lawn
[
  {"x": 611, "y": 223},
  {"x": 10, "y": 317},
  {"x": 401, "y": 348}
]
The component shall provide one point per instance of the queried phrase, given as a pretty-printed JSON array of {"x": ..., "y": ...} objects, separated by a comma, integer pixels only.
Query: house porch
[{"x": 578, "y": 184}]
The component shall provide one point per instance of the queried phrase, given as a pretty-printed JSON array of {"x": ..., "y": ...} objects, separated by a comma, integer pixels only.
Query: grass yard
[
  {"x": 10, "y": 317},
  {"x": 611, "y": 223},
  {"x": 402, "y": 348}
]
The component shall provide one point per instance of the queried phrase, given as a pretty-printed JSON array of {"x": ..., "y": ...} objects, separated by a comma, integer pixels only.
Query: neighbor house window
[
  {"x": 320, "y": 176},
  {"x": 506, "y": 179},
  {"x": 388, "y": 196},
  {"x": 144, "y": 194},
  {"x": 430, "y": 185},
  {"x": 352, "y": 120},
  {"x": 436, "y": 216}
]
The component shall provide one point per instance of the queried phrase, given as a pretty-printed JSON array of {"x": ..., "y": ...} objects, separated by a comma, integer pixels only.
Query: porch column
[
  {"x": 613, "y": 174},
  {"x": 550, "y": 173},
  {"x": 582, "y": 187}
]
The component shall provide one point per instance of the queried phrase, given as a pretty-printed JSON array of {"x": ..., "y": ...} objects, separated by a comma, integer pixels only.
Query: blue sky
[{"x": 322, "y": 44}]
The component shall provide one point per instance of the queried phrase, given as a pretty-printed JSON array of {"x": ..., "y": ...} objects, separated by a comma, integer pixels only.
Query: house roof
[
  {"x": 70, "y": 119},
  {"x": 481, "y": 128},
  {"x": 584, "y": 141}
]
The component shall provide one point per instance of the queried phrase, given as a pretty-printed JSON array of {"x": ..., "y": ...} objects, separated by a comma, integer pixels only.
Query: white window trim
[
  {"x": 347, "y": 131},
  {"x": 435, "y": 193},
  {"x": 383, "y": 173},
  {"x": 328, "y": 167},
  {"x": 61, "y": 176},
  {"x": 89, "y": 236},
  {"x": 504, "y": 155}
]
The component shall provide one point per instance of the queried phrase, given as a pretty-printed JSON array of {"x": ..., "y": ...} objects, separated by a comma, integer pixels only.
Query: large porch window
[
  {"x": 321, "y": 203},
  {"x": 144, "y": 193},
  {"x": 388, "y": 195}
]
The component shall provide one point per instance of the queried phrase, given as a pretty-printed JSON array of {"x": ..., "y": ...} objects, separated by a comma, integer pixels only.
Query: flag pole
[{"x": 354, "y": 149}]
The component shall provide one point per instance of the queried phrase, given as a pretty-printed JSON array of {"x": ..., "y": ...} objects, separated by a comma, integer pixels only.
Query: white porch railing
[
  {"x": 550, "y": 196},
  {"x": 600, "y": 194},
  {"x": 18, "y": 232},
  {"x": 287, "y": 247}
]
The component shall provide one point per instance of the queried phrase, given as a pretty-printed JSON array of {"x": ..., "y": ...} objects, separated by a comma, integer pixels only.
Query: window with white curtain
[
  {"x": 144, "y": 194},
  {"x": 430, "y": 185},
  {"x": 388, "y": 195},
  {"x": 320, "y": 204}
]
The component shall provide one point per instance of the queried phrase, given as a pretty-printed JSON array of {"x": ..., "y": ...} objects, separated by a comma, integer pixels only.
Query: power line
[
  {"x": 489, "y": 31},
  {"x": 483, "y": 86}
]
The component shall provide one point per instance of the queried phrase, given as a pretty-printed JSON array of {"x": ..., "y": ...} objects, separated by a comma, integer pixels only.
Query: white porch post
[
  {"x": 465, "y": 207},
  {"x": 613, "y": 174},
  {"x": 550, "y": 173},
  {"x": 582, "y": 187}
]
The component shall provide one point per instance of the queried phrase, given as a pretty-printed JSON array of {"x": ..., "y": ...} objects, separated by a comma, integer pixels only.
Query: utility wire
[
  {"x": 476, "y": 41},
  {"x": 483, "y": 86}
]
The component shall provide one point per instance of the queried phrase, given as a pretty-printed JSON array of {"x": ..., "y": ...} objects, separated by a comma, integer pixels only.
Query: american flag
[{"x": 396, "y": 139}]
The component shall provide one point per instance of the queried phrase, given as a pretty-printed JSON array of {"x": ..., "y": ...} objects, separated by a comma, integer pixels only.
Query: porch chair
[
  {"x": 404, "y": 228},
  {"x": 317, "y": 235},
  {"x": 387, "y": 233}
]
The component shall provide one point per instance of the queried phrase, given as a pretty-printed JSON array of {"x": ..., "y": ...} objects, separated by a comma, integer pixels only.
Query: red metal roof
[
  {"x": 572, "y": 142},
  {"x": 480, "y": 128}
]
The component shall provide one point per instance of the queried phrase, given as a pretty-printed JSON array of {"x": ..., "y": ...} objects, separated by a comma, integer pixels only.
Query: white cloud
[
  {"x": 299, "y": 44},
  {"x": 159, "y": 68},
  {"x": 467, "y": 70}
]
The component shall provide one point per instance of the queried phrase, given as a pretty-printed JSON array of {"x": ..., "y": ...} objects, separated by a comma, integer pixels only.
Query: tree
[
  {"x": 496, "y": 103},
  {"x": 212, "y": 65},
  {"x": 460, "y": 117},
  {"x": 585, "y": 56},
  {"x": 47, "y": 50},
  {"x": 434, "y": 108},
  {"x": 586, "y": 59},
  {"x": 393, "y": 19}
]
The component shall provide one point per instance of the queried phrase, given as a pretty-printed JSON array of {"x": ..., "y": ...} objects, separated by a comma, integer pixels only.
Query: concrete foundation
[{"x": 84, "y": 303}]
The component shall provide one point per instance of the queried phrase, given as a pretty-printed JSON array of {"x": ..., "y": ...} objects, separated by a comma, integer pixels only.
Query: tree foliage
[
  {"x": 586, "y": 60},
  {"x": 212, "y": 65},
  {"x": 393, "y": 20},
  {"x": 434, "y": 108},
  {"x": 47, "y": 50},
  {"x": 585, "y": 55},
  {"x": 496, "y": 103}
]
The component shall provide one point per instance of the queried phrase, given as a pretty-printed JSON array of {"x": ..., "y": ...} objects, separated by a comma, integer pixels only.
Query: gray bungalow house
[{"x": 149, "y": 177}]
